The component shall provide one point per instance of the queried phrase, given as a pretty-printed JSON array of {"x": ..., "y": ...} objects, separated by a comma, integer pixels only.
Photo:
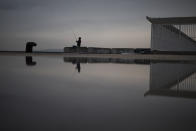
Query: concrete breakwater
[{"x": 96, "y": 50}]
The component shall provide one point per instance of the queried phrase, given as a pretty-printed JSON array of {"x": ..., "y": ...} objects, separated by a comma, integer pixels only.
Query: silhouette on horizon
[
  {"x": 79, "y": 42},
  {"x": 29, "y": 46}
]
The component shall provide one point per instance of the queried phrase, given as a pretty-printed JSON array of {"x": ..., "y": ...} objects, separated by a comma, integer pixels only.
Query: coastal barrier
[{"x": 96, "y": 50}]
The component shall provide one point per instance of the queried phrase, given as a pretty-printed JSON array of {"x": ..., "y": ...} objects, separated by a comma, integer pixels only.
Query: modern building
[{"x": 173, "y": 34}]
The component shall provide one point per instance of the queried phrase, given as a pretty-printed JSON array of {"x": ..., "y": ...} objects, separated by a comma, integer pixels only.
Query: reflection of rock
[
  {"x": 29, "y": 61},
  {"x": 29, "y": 46}
]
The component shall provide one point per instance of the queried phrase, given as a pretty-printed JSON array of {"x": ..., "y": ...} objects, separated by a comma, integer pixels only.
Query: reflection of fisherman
[
  {"x": 79, "y": 42},
  {"x": 78, "y": 67}
]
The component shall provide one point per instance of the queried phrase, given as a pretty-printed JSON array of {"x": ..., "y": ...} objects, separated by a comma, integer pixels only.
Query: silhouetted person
[
  {"x": 29, "y": 61},
  {"x": 79, "y": 42},
  {"x": 78, "y": 67},
  {"x": 29, "y": 46}
]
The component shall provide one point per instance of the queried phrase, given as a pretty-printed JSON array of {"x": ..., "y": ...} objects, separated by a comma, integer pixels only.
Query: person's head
[{"x": 80, "y": 38}]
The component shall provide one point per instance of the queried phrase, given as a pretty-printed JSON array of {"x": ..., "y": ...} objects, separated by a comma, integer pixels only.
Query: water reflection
[
  {"x": 167, "y": 78},
  {"x": 78, "y": 61},
  {"x": 173, "y": 79},
  {"x": 107, "y": 95},
  {"x": 29, "y": 61}
]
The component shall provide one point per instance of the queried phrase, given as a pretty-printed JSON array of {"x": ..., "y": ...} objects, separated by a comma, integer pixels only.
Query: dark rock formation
[{"x": 29, "y": 46}]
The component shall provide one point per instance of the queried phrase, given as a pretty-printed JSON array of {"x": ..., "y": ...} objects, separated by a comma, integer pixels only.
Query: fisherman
[{"x": 79, "y": 42}]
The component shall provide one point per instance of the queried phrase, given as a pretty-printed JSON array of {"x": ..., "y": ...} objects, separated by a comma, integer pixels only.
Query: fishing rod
[{"x": 74, "y": 35}]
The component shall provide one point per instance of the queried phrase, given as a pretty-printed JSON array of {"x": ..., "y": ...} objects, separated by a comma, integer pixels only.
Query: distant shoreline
[{"x": 172, "y": 57}]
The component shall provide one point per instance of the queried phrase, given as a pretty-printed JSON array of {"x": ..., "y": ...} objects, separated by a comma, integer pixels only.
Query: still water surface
[{"x": 56, "y": 93}]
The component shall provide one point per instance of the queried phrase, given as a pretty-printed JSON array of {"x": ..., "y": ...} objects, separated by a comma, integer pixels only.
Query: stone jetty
[{"x": 96, "y": 50}]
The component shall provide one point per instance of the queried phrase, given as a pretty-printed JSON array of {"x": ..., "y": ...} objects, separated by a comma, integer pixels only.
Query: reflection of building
[
  {"x": 167, "y": 78},
  {"x": 95, "y": 50},
  {"x": 172, "y": 79},
  {"x": 173, "y": 34}
]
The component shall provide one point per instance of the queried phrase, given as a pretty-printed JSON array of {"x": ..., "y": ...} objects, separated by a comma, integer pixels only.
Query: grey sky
[{"x": 105, "y": 23}]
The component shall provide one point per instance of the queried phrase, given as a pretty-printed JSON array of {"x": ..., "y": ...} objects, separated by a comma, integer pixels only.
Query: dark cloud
[
  {"x": 17, "y": 4},
  {"x": 29, "y": 4}
]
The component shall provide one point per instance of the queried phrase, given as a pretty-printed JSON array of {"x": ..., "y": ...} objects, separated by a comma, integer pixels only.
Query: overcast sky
[{"x": 100, "y": 23}]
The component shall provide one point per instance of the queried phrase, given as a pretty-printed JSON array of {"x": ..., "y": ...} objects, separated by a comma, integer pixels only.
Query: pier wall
[
  {"x": 166, "y": 75},
  {"x": 96, "y": 50}
]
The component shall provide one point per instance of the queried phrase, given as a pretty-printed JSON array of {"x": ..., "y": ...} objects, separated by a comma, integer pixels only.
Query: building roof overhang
[{"x": 173, "y": 20}]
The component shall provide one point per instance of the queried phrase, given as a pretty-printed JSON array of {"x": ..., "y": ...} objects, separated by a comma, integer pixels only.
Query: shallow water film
[{"x": 61, "y": 93}]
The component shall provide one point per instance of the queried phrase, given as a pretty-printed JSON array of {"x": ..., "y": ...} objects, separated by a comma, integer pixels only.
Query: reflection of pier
[
  {"x": 77, "y": 61},
  {"x": 173, "y": 79},
  {"x": 121, "y": 61},
  {"x": 104, "y": 60}
]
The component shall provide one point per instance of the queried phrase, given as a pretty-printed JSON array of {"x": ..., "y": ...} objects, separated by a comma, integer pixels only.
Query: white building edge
[{"x": 173, "y": 34}]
